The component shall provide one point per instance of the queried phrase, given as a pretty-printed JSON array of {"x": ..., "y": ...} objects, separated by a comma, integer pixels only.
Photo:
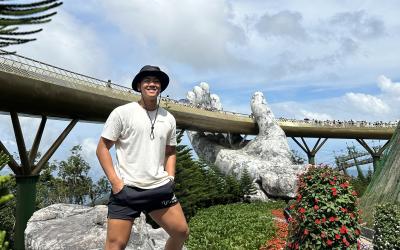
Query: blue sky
[{"x": 322, "y": 60}]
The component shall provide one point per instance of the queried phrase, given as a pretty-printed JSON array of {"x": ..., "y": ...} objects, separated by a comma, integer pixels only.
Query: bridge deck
[{"x": 35, "y": 90}]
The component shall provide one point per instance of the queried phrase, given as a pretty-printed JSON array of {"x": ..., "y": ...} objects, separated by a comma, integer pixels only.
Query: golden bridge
[{"x": 38, "y": 89}]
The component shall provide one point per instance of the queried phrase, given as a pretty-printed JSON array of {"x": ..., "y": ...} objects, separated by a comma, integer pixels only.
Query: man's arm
[
  {"x": 170, "y": 160},
  {"x": 104, "y": 156}
]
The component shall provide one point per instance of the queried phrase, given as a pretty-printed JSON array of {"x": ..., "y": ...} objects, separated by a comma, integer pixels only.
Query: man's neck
[{"x": 148, "y": 105}]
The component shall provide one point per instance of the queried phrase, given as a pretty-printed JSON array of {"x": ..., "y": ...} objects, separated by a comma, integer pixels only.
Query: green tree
[
  {"x": 16, "y": 14},
  {"x": 200, "y": 185},
  {"x": 5, "y": 197},
  {"x": 297, "y": 158},
  {"x": 247, "y": 185},
  {"x": 74, "y": 173}
]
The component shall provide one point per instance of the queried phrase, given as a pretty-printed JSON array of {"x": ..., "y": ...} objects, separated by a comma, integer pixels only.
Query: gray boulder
[
  {"x": 267, "y": 157},
  {"x": 68, "y": 226}
]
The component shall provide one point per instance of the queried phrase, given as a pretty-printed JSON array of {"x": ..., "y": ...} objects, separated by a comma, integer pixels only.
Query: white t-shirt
[{"x": 140, "y": 160}]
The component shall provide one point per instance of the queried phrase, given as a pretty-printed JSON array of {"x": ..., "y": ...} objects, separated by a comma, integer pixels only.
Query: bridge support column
[
  {"x": 27, "y": 173},
  {"x": 310, "y": 153},
  {"x": 376, "y": 153}
]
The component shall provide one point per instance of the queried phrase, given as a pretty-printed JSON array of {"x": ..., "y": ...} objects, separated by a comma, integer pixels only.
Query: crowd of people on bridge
[{"x": 339, "y": 123}]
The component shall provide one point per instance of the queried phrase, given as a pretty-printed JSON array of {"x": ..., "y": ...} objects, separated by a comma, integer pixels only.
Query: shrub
[
  {"x": 5, "y": 196},
  {"x": 387, "y": 226},
  {"x": 233, "y": 226},
  {"x": 325, "y": 214}
]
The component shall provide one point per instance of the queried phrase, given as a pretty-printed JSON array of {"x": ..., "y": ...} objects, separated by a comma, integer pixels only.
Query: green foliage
[
  {"x": 361, "y": 182},
  {"x": 5, "y": 197},
  {"x": 325, "y": 214},
  {"x": 247, "y": 185},
  {"x": 233, "y": 226},
  {"x": 55, "y": 185},
  {"x": 16, "y": 14},
  {"x": 74, "y": 174},
  {"x": 297, "y": 158},
  {"x": 387, "y": 226}
]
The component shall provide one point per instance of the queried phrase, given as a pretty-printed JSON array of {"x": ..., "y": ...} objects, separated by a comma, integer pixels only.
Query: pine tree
[
  {"x": 17, "y": 14},
  {"x": 247, "y": 185},
  {"x": 200, "y": 185}
]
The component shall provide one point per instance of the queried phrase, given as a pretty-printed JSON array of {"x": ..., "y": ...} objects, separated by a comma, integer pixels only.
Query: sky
[{"x": 336, "y": 60}]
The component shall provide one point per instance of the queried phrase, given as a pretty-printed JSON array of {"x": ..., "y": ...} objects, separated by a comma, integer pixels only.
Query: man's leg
[
  {"x": 118, "y": 232},
  {"x": 174, "y": 222}
]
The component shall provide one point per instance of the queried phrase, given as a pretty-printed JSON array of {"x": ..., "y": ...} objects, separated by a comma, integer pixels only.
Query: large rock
[
  {"x": 267, "y": 157},
  {"x": 67, "y": 226}
]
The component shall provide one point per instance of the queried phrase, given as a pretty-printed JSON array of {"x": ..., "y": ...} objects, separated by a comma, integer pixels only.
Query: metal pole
[{"x": 26, "y": 202}]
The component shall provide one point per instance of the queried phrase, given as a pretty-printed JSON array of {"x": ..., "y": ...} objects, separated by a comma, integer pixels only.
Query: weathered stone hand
[{"x": 267, "y": 157}]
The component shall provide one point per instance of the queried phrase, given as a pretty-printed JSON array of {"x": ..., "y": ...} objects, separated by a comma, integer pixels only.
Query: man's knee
[
  {"x": 182, "y": 232},
  {"x": 115, "y": 244}
]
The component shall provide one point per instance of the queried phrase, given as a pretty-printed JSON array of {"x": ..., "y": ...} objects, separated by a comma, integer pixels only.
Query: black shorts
[{"x": 128, "y": 203}]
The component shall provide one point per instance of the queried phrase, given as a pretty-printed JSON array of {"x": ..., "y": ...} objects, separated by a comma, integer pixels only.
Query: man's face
[{"x": 150, "y": 86}]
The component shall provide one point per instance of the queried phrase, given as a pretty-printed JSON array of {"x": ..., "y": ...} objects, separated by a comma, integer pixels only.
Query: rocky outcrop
[
  {"x": 267, "y": 157},
  {"x": 68, "y": 226}
]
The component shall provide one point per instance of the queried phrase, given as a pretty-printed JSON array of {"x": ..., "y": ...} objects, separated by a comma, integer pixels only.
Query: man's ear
[{"x": 138, "y": 87}]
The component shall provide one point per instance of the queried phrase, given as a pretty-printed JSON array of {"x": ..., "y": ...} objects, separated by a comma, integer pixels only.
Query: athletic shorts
[{"x": 128, "y": 203}]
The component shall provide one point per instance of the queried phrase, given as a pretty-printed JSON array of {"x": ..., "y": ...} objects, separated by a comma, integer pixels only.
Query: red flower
[
  {"x": 344, "y": 210},
  {"x": 344, "y": 185},
  {"x": 316, "y": 207},
  {"x": 337, "y": 236},
  {"x": 354, "y": 193},
  {"x": 299, "y": 197},
  {"x": 302, "y": 210},
  {"x": 346, "y": 242},
  {"x": 343, "y": 229},
  {"x": 335, "y": 178},
  {"x": 329, "y": 242},
  {"x": 357, "y": 232},
  {"x": 334, "y": 191},
  {"x": 352, "y": 215},
  {"x": 323, "y": 235},
  {"x": 332, "y": 183},
  {"x": 323, "y": 220},
  {"x": 316, "y": 200},
  {"x": 317, "y": 221},
  {"x": 305, "y": 232},
  {"x": 331, "y": 219}
]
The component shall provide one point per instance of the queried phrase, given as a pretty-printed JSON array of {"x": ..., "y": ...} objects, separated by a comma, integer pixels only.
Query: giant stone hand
[{"x": 267, "y": 157}]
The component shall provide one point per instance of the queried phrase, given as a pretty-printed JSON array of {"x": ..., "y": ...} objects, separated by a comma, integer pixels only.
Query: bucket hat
[{"x": 149, "y": 70}]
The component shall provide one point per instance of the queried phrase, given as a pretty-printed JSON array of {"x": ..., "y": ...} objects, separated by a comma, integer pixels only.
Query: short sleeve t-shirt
[{"x": 140, "y": 159}]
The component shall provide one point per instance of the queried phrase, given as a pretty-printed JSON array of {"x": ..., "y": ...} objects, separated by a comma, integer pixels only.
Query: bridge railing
[
  {"x": 28, "y": 67},
  {"x": 31, "y": 68}
]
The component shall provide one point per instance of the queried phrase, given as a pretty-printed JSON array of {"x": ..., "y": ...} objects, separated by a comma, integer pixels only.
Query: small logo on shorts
[{"x": 170, "y": 201}]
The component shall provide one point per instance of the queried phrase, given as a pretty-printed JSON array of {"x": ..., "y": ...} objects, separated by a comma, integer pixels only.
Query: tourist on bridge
[{"x": 144, "y": 135}]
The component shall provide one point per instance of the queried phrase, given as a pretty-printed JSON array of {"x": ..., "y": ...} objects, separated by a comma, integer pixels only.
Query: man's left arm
[{"x": 170, "y": 160}]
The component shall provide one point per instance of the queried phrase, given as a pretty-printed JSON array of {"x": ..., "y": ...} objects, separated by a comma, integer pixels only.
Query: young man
[{"x": 142, "y": 180}]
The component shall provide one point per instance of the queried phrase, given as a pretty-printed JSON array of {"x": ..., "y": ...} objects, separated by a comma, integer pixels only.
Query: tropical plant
[
  {"x": 5, "y": 196},
  {"x": 325, "y": 214},
  {"x": 15, "y": 14}
]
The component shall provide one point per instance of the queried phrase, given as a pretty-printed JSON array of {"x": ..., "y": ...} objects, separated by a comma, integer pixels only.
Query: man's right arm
[{"x": 104, "y": 156}]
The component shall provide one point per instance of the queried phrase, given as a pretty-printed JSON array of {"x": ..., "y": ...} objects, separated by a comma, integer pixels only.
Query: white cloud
[
  {"x": 69, "y": 43},
  {"x": 315, "y": 115},
  {"x": 365, "y": 103},
  {"x": 187, "y": 32},
  {"x": 388, "y": 87}
]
